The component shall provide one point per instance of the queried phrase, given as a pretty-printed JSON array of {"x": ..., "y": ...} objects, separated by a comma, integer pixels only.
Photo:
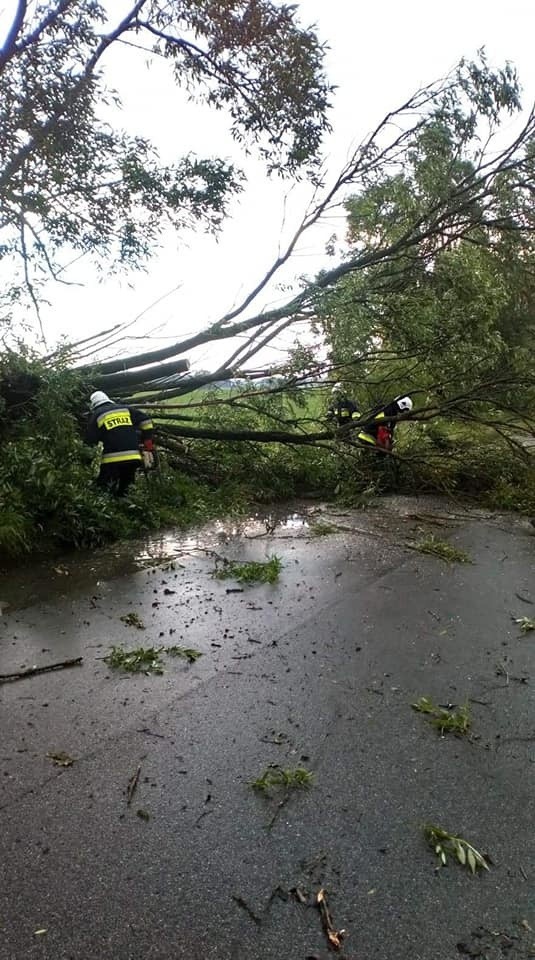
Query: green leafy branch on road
[
  {"x": 275, "y": 776},
  {"x": 445, "y": 844},
  {"x": 147, "y": 659},
  {"x": 525, "y": 623},
  {"x": 445, "y": 721},
  {"x": 442, "y": 549},
  {"x": 250, "y": 572}
]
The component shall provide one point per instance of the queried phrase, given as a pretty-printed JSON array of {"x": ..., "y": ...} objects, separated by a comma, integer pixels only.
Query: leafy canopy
[{"x": 70, "y": 184}]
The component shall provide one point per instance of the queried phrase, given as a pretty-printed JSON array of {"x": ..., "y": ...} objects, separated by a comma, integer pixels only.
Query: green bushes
[
  {"x": 469, "y": 459},
  {"x": 48, "y": 499}
]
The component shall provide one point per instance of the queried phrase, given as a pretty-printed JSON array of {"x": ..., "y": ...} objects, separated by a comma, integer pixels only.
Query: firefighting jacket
[
  {"x": 381, "y": 421},
  {"x": 343, "y": 411},
  {"x": 121, "y": 429}
]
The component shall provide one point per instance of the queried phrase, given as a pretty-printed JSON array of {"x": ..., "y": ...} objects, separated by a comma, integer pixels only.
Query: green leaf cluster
[
  {"x": 291, "y": 778},
  {"x": 147, "y": 659},
  {"x": 445, "y": 844},
  {"x": 446, "y": 721},
  {"x": 250, "y": 571},
  {"x": 441, "y": 548}
]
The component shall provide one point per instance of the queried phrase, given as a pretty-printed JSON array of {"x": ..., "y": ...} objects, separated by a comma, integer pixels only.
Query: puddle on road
[
  {"x": 84, "y": 571},
  {"x": 81, "y": 571}
]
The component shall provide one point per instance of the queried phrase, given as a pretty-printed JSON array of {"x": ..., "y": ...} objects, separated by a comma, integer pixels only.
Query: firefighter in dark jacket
[
  {"x": 341, "y": 409},
  {"x": 379, "y": 430},
  {"x": 122, "y": 430}
]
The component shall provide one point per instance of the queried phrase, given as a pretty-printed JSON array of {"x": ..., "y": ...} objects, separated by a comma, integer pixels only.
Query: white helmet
[
  {"x": 338, "y": 388},
  {"x": 98, "y": 398},
  {"x": 404, "y": 403}
]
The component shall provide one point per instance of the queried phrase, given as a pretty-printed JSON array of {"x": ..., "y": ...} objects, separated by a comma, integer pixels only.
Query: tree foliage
[
  {"x": 432, "y": 293},
  {"x": 71, "y": 185}
]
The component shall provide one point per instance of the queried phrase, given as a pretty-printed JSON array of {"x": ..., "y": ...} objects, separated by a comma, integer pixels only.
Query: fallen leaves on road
[
  {"x": 446, "y": 721},
  {"x": 442, "y": 549},
  {"x": 147, "y": 659},
  {"x": 445, "y": 843},
  {"x": 525, "y": 623},
  {"x": 140, "y": 660},
  {"x": 275, "y": 776},
  {"x": 249, "y": 572}
]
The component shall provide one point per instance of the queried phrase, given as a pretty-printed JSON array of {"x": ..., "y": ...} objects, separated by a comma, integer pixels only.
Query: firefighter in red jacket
[{"x": 122, "y": 430}]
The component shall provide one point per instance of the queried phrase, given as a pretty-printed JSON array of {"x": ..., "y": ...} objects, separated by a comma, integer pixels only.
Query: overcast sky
[{"x": 380, "y": 53}]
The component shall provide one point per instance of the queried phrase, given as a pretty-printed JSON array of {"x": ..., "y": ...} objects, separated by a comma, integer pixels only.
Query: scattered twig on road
[
  {"x": 132, "y": 785},
  {"x": 32, "y": 671},
  {"x": 334, "y": 936},
  {"x": 249, "y": 911},
  {"x": 205, "y": 813},
  {"x": 60, "y": 759},
  {"x": 524, "y": 599}
]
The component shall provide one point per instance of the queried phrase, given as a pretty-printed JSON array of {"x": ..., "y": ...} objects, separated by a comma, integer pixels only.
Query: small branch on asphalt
[
  {"x": 132, "y": 786},
  {"x": 333, "y": 936},
  {"x": 245, "y": 906},
  {"x": 22, "y": 674}
]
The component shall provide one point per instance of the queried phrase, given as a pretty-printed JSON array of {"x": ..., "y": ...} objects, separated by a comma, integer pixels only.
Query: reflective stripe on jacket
[{"x": 120, "y": 429}]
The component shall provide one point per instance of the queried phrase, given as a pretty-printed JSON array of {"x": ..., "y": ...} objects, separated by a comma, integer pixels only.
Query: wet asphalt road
[{"x": 318, "y": 670}]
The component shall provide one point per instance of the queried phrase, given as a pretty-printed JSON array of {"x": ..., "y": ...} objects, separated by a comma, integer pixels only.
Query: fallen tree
[{"x": 432, "y": 294}]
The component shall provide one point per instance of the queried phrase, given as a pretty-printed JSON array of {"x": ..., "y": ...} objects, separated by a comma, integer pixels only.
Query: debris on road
[
  {"x": 334, "y": 936},
  {"x": 275, "y": 776},
  {"x": 446, "y": 721},
  {"x": 440, "y": 548},
  {"x": 248, "y": 910},
  {"x": 187, "y": 653},
  {"x": 445, "y": 843},
  {"x": 133, "y": 620},
  {"x": 249, "y": 572},
  {"x": 132, "y": 786},
  {"x": 525, "y": 623},
  {"x": 140, "y": 660},
  {"x": 33, "y": 671},
  {"x": 147, "y": 660},
  {"x": 60, "y": 759}
]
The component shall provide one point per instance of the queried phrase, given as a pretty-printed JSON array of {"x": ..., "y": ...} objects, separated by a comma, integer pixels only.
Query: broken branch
[{"x": 22, "y": 674}]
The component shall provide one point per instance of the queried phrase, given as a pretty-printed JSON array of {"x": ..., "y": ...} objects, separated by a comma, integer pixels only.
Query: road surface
[{"x": 318, "y": 671}]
